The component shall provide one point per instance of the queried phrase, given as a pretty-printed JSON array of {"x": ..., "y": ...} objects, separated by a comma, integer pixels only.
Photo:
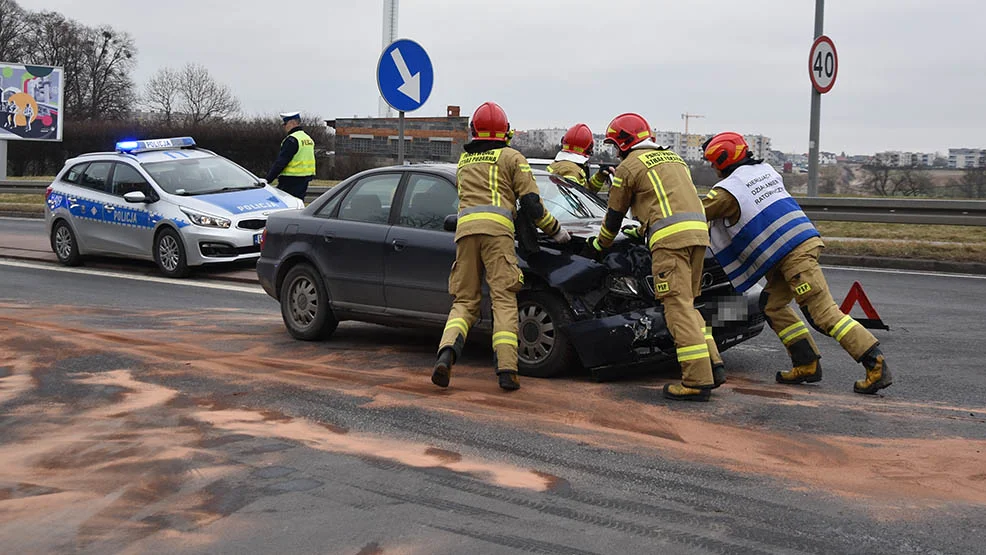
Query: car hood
[
  {"x": 589, "y": 228},
  {"x": 236, "y": 203}
]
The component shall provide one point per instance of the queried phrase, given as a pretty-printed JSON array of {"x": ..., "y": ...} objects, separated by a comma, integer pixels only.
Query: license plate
[{"x": 256, "y": 238}]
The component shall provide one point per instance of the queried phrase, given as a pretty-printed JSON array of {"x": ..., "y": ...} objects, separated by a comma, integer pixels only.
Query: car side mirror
[
  {"x": 451, "y": 221},
  {"x": 135, "y": 197}
]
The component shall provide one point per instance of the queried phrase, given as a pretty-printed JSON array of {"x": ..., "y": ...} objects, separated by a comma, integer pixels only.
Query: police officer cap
[{"x": 288, "y": 116}]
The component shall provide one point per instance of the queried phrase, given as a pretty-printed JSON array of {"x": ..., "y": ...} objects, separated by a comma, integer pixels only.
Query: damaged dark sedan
[{"x": 378, "y": 248}]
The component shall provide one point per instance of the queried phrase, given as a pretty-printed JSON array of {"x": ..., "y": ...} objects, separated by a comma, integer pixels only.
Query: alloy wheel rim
[
  {"x": 63, "y": 243},
  {"x": 537, "y": 334},
  {"x": 303, "y": 301},
  {"x": 168, "y": 251}
]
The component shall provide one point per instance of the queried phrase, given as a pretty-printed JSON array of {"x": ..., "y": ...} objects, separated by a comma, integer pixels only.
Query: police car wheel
[
  {"x": 305, "y": 305},
  {"x": 542, "y": 350},
  {"x": 64, "y": 245},
  {"x": 169, "y": 254}
]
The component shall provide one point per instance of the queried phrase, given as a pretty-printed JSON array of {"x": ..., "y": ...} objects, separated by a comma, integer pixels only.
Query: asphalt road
[{"x": 139, "y": 414}]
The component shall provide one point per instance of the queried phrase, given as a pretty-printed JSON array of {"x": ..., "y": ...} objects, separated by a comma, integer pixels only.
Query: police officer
[
  {"x": 572, "y": 161},
  {"x": 492, "y": 178},
  {"x": 758, "y": 231},
  {"x": 656, "y": 183},
  {"x": 295, "y": 164}
]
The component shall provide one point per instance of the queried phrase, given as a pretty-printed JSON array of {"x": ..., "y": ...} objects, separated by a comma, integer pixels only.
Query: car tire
[
  {"x": 169, "y": 254},
  {"x": 542, "y": 350},
  {"x": 64, "y": 244},
  {"x": 305, "y": 305}
]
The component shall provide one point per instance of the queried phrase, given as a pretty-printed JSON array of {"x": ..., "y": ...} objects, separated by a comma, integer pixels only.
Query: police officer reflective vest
[
  {"x": 771, "y": 225},
  {"x": 303, "y": 162}
]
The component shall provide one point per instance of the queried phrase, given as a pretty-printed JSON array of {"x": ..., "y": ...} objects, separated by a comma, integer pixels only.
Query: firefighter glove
[
  {"x": 561, "y": 237},
  {"x": 592, "y": 249},
  {"x": 633, "y": 232}
]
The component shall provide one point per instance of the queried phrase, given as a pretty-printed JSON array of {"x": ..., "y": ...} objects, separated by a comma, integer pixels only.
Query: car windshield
[
  {"x": 200, "y": 176},
  {"x": 568, "y": 202}
]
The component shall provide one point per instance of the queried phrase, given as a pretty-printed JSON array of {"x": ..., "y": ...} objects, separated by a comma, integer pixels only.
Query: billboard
[{"x": 30, "y": 102}]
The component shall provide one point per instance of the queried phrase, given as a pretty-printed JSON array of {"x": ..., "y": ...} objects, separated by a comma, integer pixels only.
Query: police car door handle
[
  {"x": 109, "y": 208},
  {"x": 398, "y": 245}
]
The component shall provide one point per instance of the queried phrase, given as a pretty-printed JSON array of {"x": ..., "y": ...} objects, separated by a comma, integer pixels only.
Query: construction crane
[{"x": 686, "y": 116}]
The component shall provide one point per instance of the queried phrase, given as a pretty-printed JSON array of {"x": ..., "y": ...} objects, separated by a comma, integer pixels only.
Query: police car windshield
[
  {"x": 567, "y": 202},
  {"x": 200, "y": 176}
]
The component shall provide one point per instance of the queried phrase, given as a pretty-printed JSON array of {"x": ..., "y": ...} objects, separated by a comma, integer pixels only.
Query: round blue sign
[{"x": 405, "y": 75}]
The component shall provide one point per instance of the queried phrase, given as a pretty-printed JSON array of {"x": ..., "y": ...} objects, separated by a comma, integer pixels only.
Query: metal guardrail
[{"x": 840, "y": 209}]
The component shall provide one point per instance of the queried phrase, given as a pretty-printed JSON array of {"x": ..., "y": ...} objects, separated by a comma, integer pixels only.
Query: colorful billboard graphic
[{"x": 30, "y": 102}]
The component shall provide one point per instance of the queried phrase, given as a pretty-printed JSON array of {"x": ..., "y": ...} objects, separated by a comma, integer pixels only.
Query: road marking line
[
  {"x": 119, "y": 275},
  {"x": 906, "y": 272}
]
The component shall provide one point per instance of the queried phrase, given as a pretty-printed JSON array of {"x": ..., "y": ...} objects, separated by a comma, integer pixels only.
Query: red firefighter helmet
[
  {"x": 726, "y": 149},
  {"x": 627, "y": 130},
  {"x": 578, "y": 139},
  {"x": 489, "y": 123}
]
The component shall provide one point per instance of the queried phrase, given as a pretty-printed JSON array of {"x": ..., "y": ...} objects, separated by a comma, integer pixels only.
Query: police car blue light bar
[{"x": 133, "y": 147}]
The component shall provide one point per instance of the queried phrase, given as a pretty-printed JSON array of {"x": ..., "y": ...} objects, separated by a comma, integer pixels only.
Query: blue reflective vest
[{"x": 771, "y": 225}]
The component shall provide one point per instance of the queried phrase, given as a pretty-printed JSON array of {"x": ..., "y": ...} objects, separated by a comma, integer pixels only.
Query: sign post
[
  {"x": 823, "y": 66},
  {"x": 405, "y": 77}
]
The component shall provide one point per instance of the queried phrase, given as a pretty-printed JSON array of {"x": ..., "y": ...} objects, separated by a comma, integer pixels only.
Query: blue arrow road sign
[{"x": 405, "y": 75}]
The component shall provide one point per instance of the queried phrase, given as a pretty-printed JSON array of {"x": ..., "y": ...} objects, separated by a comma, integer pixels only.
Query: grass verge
[
  {"x": 904, "y": 232},
  {"x": 957, "y": 252}
]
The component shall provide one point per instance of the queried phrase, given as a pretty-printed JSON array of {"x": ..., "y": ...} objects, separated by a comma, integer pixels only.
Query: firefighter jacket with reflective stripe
[
  {"x": 656, "y": 183},
  {"x": 490, "y": 184},
  {"x": 771, "y": 225},
  {"x": 574, "y": 172},
  {"x": 303, "y": 162}
]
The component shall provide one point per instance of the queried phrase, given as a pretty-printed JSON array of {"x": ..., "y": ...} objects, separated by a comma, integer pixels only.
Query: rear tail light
[
  {"x": 263, "y": 239},
  {"x": 48, "y": 192}
]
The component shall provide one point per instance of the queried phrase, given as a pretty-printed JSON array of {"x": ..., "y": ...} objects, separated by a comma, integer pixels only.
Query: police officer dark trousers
[
  {"x": 295, "y": 164},
  {"x": 491, "y": 177},
  {"x": 656, "y": 183},
  {"x": 759, "y": 231}
]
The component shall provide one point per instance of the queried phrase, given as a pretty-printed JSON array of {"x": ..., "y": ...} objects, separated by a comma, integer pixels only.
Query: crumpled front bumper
[{"x": 640, "y": 335}]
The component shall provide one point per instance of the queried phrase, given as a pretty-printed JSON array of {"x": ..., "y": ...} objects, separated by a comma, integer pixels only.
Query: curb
[{"x": 904, "y": 264}]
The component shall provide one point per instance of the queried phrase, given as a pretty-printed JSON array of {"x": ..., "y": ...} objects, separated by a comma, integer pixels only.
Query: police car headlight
[{"x": 206, "y": 220}]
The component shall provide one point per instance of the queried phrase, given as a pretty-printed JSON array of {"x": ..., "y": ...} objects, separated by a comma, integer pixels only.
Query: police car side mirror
[
  {"x": 135, "y": 197},
  {"x": 451, "y": 221}
]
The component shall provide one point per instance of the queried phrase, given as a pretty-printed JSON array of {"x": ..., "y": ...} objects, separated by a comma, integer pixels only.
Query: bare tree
[
  {"x": 203, "y": 99},
  {"x": 972, "y": 184},
  {"x": 878, "y": 179},
  {"x": 161, "y": 94},
  {"x": 911, "y": 182},
  {"x": 13, "y": 23},
  {"x": 97, "y": 62}
]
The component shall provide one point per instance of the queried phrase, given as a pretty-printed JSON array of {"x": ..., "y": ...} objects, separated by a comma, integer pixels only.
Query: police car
[{"x": 164, "y": 200}]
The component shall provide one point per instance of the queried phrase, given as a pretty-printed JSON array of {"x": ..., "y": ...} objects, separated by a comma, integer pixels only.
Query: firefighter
[
  {"x": 656, "y": 183},
  {"x": 295, "y": 164},
  {"x": 758, "y": 231},
  {"x": 572, "y": 161},
  {"x": 492, "y": 178}
]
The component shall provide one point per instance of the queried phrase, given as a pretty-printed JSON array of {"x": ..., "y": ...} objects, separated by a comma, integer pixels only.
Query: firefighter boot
[
  {"x": 443, "y": 367},
  {"x": 680, "y": 392},
  {"x": 718, "y": 375},
  {"x": 806, "y": 365},
  {"x": 508, "y": 380},
  {"x": 877, "y": 373}
]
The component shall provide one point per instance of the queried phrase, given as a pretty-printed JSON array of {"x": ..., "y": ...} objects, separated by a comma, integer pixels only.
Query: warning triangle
[{"x": 856, "y": 294}]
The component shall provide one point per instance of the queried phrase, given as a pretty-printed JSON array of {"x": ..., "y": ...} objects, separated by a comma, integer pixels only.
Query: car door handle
[
  {"x": 328, "y": 237},
  {"x": 398, "y": 245},
  {"x": 108, "y": 208}
]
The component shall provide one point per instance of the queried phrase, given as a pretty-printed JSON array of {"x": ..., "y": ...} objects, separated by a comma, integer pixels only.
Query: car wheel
[
  {"x": 542, "y": 350},
  {"x": 64, "y": 245},
  {"x": 169, "y": 254},
  {"x": 305, "y": 305}
]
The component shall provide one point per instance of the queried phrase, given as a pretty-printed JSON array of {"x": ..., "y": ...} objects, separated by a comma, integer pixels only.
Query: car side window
[
  {"x": 97, "y": 176},
  {"x": 325, "y": 211},
  {"x": 73, "y": 175},
  {"x": 127, "y": 179},
  {"x": 370, "y": 199},
  {"x": 428, "y": 199}
]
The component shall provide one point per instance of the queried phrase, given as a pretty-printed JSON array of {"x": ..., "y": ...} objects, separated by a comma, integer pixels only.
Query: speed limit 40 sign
[{"x": 823, "y": 64}]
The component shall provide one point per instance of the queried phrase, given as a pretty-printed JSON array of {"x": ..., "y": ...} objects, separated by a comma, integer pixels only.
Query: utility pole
[
  {"x": 390, "y": 8},
  {"x": 816, "y": 112}
]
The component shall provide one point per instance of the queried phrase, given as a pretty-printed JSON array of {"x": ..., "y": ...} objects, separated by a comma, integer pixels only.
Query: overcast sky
[{"x": 912, "y": 72}]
